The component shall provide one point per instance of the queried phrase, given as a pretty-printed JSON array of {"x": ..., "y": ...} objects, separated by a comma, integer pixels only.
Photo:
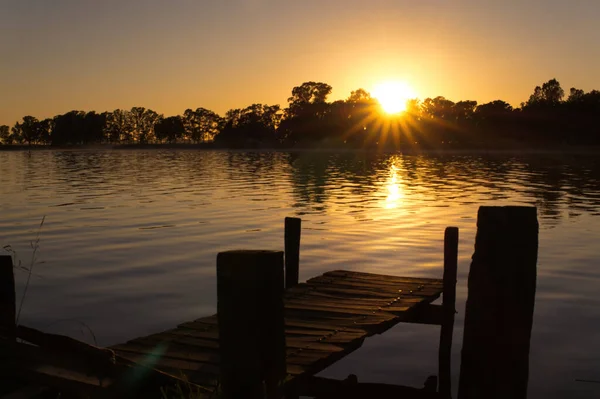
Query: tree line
[{"x": 546, "y": 118}]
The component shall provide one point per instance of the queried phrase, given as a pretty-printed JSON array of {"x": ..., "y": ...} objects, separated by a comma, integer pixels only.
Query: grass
[{"x": 35, "y": 246}]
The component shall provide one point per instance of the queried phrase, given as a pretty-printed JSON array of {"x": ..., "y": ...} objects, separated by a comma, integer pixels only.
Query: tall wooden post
[
  {"x": 500, "y": 303},
  {"x": 7, "y": 299},
  {"x": 8, "y": 334},
  {"x": 449, "y": 308},
  {"x": 251, "y": 323},
  {"x": 292, "y": 250}
]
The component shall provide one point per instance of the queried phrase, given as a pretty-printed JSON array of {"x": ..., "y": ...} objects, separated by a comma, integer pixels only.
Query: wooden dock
[
  {"x": 326, "y": 318},
  {"x": 323, "y": 320},
  {"x": 298, "y": 330},
  {"x": 272, "y": 334}
]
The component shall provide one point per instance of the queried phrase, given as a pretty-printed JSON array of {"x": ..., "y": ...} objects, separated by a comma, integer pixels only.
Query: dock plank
[
  {"x": 383, "y": 277},
  {"x": 397, "y": 305},
  {"x": 392, "y": 289}
]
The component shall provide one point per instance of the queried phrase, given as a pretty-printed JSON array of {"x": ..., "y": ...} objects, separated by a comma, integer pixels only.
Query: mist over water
[{"x": 130, "y": 239}]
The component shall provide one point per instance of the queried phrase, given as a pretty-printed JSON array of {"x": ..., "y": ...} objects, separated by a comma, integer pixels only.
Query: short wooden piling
[
  {"x": 292, "y": 250},
  {"x": 7, "y": 299},
  {"x": 449, "y": 308},
  {"x": 251, "y": 324},
  {"x": 500, "y": 303}
]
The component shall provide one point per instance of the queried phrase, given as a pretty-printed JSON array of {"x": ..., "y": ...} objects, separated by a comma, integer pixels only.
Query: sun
[{"x": 393, "y": 96}]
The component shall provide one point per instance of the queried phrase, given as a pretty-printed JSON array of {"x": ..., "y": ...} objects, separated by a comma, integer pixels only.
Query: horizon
[{"x": 155, "y": 56}]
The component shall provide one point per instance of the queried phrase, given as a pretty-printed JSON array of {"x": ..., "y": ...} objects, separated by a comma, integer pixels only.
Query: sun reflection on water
[{"x": 394, "y": 188}]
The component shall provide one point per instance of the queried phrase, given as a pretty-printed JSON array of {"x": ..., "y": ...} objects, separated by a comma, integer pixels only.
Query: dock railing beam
[
  {"x": 292, "y": 250},
  {"x": 500, "y": 303},
  {"x": 449, "y": 309},
  {"x": 251, "y": 323}
]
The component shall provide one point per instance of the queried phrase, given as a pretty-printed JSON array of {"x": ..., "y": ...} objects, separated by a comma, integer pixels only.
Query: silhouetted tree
[
  {"x": 360, "y": 96},
  {"x": 438, "y": 108},
  {"x": 252, "y": 126},
  {"x": 493, "y": 121},
  {"x": 201, "y": 125},
  {"x": 169, "y": 129},
  {"x": 350, "y": 121},
  {"x": 549, "y": 94},
  {"x": 576, "y": 95},
  {"x": 32, "y": 131},
  {"x": 142, "y": 123},
  {"x": 581, "y": 113},
  {"x": 68, "y": 128},
  {"x": 308, "y": 97},
  {"x": 305, "y": 113},
  {"x": 118, "y": 126},
  {"x": 464, "y": 111},
  {"x": 309, "y": 120},
  {"x": 5, "y": 137},
  {"x": 93, "y": 131}
]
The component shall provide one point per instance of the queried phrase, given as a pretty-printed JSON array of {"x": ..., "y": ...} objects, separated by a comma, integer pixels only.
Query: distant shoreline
[{"x": 408, "y": 151}]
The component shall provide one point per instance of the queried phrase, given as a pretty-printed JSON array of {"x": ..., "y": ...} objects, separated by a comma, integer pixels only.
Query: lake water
[{"x": 130, "y": 238}]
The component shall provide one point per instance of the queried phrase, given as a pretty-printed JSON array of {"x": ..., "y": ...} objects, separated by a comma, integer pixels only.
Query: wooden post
[
  {"x": 500, "y": 303},
  {"x": 251, "y": 324},
  {"x": 292, "y": 250},
  {"x": 449, "y": 308},
  {"x": 7, "y": 299}
]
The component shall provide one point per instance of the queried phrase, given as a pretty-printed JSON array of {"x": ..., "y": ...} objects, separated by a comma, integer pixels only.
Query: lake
[{"x": 129, "y": 242}]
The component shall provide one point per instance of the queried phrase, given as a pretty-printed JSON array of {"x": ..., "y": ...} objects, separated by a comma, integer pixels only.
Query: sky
[{"x": 63, "y": 55}]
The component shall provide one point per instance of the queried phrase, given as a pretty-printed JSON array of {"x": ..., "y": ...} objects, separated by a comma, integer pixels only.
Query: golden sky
[{"x": 61, "y": 55}]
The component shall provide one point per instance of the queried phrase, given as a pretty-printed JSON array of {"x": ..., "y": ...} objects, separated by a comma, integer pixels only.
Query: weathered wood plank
[
  {"x": 290, "y": 331},
  {"x": 383, "y": 306},
  {"x": 382, "y": 277},
  {"x": 337, "y": 310},
  {"x": 291, "y": 322},
  {"x": 302, "y": 332},
  {"x": 391, "y": 289},
  {"x": 210, "y": 324},
  {"x": 102, "y": 357},
  {"x": 163, "y": 361},
  {"x": 382, "y": 283},
  {"x": 318, "y": 295},
  {"x": 172, "y": 337},
  {"x": 387, "y": 286},
  {"x": 337, "y": 320},
  {"x": 181, "y": 352},
  {"x": 353, "y": 292},
  {"x": 315, "y": 346},
  {"x": 339, "y": 338}
]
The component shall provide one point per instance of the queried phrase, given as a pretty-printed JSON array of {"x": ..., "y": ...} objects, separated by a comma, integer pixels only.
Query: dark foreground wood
[{"x": 500, "y": 305}]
